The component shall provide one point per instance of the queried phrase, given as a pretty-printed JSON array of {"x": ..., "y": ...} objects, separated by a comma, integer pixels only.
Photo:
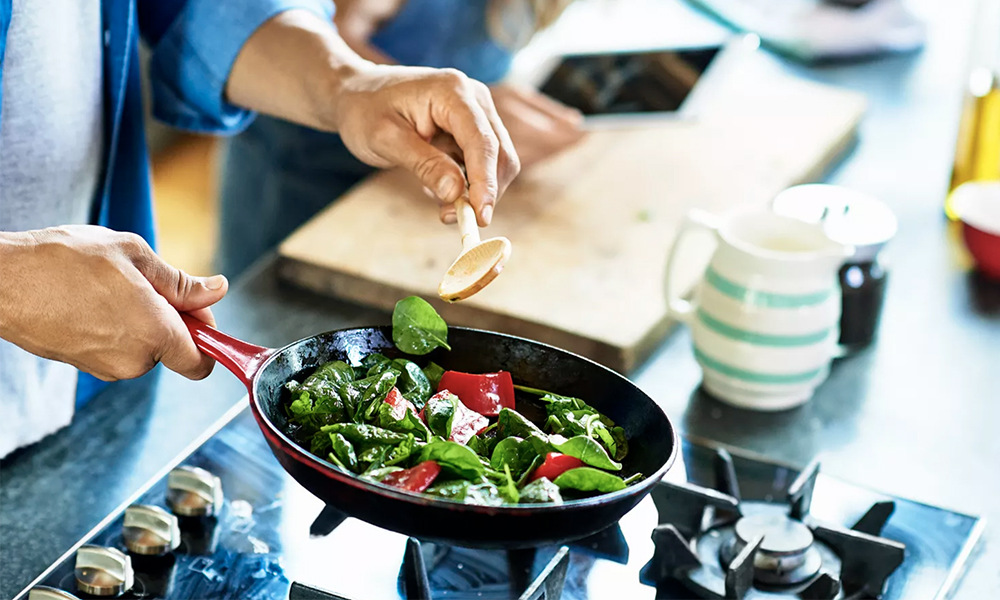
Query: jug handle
[{"x": 677, "y": 307}]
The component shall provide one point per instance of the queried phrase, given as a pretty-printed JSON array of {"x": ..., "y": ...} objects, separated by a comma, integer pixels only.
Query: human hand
[
  {"x": 388, "y": 116},
  {"x": 539, "y": 126},
  {"x": 101, "y": 301}
]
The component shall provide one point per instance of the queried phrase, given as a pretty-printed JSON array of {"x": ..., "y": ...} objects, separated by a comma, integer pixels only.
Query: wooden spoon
[{"x": 478, "y": 264}]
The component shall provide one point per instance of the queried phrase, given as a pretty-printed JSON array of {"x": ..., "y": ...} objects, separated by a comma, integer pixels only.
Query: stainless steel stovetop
[{"x": 271, "y": 540}]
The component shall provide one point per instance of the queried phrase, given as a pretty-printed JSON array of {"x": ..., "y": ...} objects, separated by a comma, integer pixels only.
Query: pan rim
[{"x": 329, "y": 470}]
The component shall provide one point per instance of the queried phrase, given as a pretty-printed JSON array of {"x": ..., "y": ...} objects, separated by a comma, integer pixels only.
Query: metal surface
[
  {"x": 102, "y": 571},
  {"x": 913, "y": 415},
  {"x": 265, "y": 536},
  {"x": 43, "y": 592},
  {"x": 150, "y": 530},
  {"x": 193, "y": 492}
]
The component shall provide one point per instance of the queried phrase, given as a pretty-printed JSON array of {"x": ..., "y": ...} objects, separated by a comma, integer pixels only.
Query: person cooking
[
  {"x": 80, "y": 285},
  {"x": 276, "y": 175}
]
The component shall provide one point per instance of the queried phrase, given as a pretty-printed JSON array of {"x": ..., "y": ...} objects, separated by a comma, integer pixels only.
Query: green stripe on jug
[
  {"x": 755, "y": 376},
  {"x": 766, "y": 299},
  {"x": 761, "y": 339}
]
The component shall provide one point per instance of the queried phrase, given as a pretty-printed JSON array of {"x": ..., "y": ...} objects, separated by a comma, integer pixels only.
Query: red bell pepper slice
[
  {"x": 399, "y": 404},
  {"x": 485, "y": 393},
  {"x": 415, "y": 479},
  {"x": 555, "y": 464},
  {"x": 465, "y": 424}
]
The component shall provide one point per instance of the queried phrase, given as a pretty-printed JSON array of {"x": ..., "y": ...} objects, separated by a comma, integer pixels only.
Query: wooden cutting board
[{"x": 590, "y": 228}]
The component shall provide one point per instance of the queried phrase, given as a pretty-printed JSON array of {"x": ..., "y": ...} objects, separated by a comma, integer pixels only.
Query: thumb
[
  {"x": 182, "y": 291},
  {"x": 436, "y": 170}
]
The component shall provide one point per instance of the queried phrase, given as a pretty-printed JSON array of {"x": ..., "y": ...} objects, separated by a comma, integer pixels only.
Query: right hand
[{"x": 101, "y": 301}]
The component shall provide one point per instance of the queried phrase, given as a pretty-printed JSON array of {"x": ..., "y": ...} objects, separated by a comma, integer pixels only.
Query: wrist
[
  {"x": 330, "y": 91},
  {"x": 13, "y": 246}
]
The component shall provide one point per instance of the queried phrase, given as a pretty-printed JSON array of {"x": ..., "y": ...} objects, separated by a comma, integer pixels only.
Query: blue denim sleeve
[{"x": 193, "y": 52}]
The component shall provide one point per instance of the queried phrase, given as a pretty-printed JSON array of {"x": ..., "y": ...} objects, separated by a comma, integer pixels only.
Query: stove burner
[
  {"x": 720, "y": 546},
  {"x": 785, "y": 555}
]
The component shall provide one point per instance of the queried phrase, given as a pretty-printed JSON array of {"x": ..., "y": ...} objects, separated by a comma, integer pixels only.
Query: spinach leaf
[
  {"x": 478, "y": 445},
  {"x": 401, "y": 452},
  {"x": 456, "y": 459},
  {"x": 336, "y": 462},
  {"x": 512, "y": 423},
  {"x": 365, "y": 434},
  {"x": 433, "y": 372},
  {"x": 508, "y": 489},
  {"x": 440, "y": 413},
  {"x": 344, "y": 451},
  {"x": 376, "y": 364},
  {"x": 588, "y": 479},
  {"x": 378, "y": 474},
  {"x": 375, "y": 394},
  {"x": 411, "y": 423},
  {"x": 618, "y": 435},
  {"x": 373, "y": 454},
  {"x": 540, "y": 491},
  {"x": 320, "y": 443},
  {"x": 517, "y": 453},
  {"x": 484, "y": 442},
  {"x": 523, "y": 479},
  {"x": 336, "y": 372},
  {"x": 417, "y": 328},
  {"x": 467, "y": 492},
  {"x": 586, "y": 449},
  {"x": 412, "y": 382},
  {"x": 352, "y": 392},
  {"x": 633, "y": 479}
]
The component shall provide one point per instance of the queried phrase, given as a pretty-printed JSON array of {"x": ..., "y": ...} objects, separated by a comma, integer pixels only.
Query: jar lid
[{"x": 848, "y": 216}]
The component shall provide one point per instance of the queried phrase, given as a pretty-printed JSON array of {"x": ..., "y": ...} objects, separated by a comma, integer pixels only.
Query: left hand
[{"x": 539, "y": 126}]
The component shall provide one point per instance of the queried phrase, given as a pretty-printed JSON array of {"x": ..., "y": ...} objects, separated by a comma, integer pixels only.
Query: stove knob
[
  {"x": 193, "y": 492},
  {"x": 150, "y": 530},
  {"x": 44, "y": 592},
  {"x": 103, "y": 571}
]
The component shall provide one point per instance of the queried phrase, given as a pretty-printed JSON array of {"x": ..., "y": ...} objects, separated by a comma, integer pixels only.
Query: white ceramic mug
[{"x": 764, "y": 316}]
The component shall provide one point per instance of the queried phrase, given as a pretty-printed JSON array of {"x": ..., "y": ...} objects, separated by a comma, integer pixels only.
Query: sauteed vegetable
[{"x": 458, "y": 436}]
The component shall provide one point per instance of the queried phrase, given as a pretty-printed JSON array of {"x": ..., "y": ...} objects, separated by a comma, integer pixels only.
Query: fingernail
[
  {"x": 446, "y": 187},
  {"x": 487, "y": 213},
  {"x": 214, "y": 282},
  {"x": 450, "y": 218}
]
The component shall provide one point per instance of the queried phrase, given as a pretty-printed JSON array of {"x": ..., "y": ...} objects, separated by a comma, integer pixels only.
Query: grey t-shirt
[{"x": 51, "y": 163}]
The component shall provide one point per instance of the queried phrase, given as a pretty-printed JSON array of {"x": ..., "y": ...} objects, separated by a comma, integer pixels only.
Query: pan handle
[{"x": 242, "y": 358}]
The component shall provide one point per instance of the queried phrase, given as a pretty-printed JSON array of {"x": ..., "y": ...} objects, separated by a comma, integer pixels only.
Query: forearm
[{"x": 293, "y": 67}]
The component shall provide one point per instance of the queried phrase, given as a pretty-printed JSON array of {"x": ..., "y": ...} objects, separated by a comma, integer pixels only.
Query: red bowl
[{"x": 977, "y": 204}]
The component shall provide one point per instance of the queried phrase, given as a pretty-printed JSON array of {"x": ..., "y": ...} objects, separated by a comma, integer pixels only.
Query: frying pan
[{"x": 653, "y": 442}]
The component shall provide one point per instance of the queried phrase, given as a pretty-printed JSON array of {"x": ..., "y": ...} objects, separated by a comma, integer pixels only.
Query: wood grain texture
[{"x": 590, "y": 228}]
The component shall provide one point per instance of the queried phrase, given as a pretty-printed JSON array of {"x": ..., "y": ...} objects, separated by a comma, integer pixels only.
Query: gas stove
[{"x": 225, "y": 521}]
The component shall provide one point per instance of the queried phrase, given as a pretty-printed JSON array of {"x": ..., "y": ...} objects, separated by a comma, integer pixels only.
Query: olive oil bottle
[{"x": 977, "y": 153}]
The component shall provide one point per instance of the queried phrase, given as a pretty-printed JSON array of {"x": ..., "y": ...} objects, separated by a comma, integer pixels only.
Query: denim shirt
[{"x": 194, "y": 43}]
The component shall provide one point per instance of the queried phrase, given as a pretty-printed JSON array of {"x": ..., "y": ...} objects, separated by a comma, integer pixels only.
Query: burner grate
[{"x": 723, "y": 547}]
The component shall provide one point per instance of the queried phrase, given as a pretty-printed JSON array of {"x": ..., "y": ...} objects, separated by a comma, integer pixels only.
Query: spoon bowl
[{"x": 474, "y": 269}]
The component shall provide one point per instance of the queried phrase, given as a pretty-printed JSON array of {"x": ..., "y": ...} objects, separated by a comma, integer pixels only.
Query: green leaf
[
  {"x": 336, "y": 462},
  {"x": 508, "y": 489},
  {"x": 618, "y": 434},
  {"x": 320, "y": 443},
  {"x": 517, "y": 453},
  {"x": 376, "y": 394},
  {"x": 452, "y": 490},
  {"x": 523, "y": 479},
  {"x": 336, "y": 372},
  {"x": 417, "y": 328},
  {"x": 440, "y": 413},
  {"x": 633, "y": 479},
  {"x": 373, "y": 454},
  {"x": 589, "y": 479},
  {"x": 541, "y": 491},
  {"x": 379, "y": 474},
  {"x": 433, "y": 372},
  {"x": 512, "y": 423},
  {"x": 411, "y": 423},
  {"x": 412, "y": 382},
  {"x": 351, "y": 394},
  {"x": 344, "y": 451},
  {"x": 458, "y": 460},
  {"x": 586, "y": 449},
  {"x": 401, "y": 452},
  {"x": 485, "y": 493},
  {"x": 358, "y": 433}
]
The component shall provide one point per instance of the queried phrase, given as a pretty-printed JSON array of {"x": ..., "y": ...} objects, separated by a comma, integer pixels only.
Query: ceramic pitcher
[{"x": 764, "y": 315}]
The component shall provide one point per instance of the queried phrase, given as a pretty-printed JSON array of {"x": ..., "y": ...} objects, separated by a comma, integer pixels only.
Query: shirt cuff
[{"x": 191, "y": 63}]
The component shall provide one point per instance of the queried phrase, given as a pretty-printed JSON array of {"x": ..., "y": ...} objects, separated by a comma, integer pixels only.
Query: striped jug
[{"x": 764, "y": 316}]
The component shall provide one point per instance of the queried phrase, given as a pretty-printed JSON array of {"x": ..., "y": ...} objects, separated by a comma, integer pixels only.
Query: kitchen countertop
[{"x": 915, "y": 415}]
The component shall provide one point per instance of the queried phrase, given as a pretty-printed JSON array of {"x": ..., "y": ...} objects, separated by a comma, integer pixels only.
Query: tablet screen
[{"x": 599, "y": 84}]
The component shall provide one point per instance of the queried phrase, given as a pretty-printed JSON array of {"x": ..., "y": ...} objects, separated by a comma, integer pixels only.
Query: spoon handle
[{"x": 467, "y": 223}]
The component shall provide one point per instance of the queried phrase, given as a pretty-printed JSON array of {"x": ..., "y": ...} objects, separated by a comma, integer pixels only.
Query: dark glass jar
[{"x": 862, "y": 286}]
